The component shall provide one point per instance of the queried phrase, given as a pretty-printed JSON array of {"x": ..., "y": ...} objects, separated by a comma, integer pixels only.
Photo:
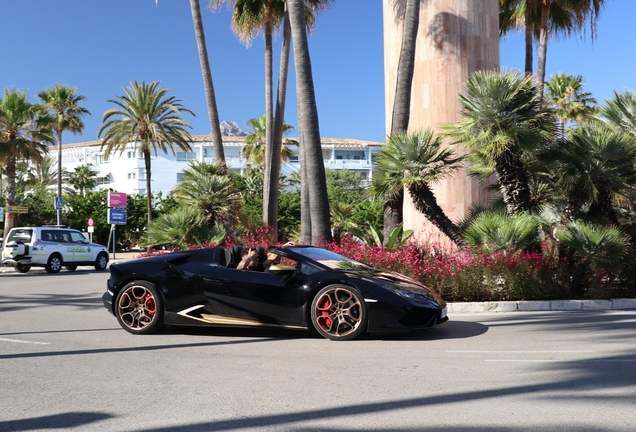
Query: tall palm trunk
[
  {"x": 543, "y": 46},
  {"x": 305, "y": 206},
  {"x": 308, "y": 124},
  {"x": 59, "y": 172},
  {"x": 393, "y": 208},
  {"x": 9, "y": 194},
  {"x": 146, "y": 153},
  {"x": 269, "y": 118},
  {"x": 528, "y": 37},
  {"x": 272, "y": 171},
  {"x": 426, "y": 203},
  {"x": 210, "y": 98}
]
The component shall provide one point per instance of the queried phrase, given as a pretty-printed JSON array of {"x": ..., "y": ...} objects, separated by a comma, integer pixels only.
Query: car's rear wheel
[
  {"x": 71, "y": 267},
  {"x": 54, "y": 264},
  {"x": 102, "y": 261},
  {"x": 338, "y": 312},
  {"x": 139, "y": 308},
  {"x": 21, "y": 268}
]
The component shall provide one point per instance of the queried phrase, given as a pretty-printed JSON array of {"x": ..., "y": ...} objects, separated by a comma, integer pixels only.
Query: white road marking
[
  {"x": 24, "y": 342},
  {"x": 523, "y": 352},
  {"x": 565, "y": 361}
]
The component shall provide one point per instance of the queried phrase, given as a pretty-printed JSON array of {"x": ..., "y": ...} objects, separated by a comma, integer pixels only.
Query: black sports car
[{"x": 305, "y": 287}]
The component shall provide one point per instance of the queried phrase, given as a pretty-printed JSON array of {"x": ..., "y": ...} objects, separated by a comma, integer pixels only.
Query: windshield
[{"x": 327, "y": 258}]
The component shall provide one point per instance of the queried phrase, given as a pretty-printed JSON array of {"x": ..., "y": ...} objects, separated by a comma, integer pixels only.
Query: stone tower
[{"x": 455, "y": 38}]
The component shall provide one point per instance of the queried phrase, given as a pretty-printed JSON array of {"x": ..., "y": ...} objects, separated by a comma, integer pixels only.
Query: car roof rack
[{"x": 54, "y": 226}]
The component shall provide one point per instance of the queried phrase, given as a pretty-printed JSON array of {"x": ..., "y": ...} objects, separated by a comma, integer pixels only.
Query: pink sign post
[{"x": 116, "y": 200}]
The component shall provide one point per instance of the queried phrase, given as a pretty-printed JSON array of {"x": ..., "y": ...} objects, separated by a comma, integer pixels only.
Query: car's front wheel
[
  {"x": 102, "y": 261},
  {"x": 139, "y": 308},
  {"x": 54, "y": 264},
  {"x": 338, "y": 312},
  {"x": 21, "y": 268}
]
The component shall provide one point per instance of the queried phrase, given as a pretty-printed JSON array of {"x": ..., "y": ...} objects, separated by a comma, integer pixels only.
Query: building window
[
  {"x": 142, "y": 174},
  {"x": 132, "y": 154},
  {"x": 132, "y": 176},
  {"x": 180, "y": 176},
  {"x": 184, "y": 157}
]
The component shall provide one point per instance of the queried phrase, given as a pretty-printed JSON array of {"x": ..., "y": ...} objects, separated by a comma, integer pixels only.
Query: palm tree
[
  {"x": 402, "y": 102},
  {"x": 62, "y": 103},
  {"x": 149, "y": 120},
  {"x": 620, "y": 112},
  {"x": 546, "y": 18},
  {"x": 43, "y": 174},
  {"x": 566, "y": 96},
  {"x": 309, "y": 126},
  {"x": 249, "y": 18},
  {"x": 23, "y": 131},
  {"x": 415, "y": 161},
  {"x": 208, "y": 188},
  {"x": 502, "y": 118},
  {"x": 494, "y": 232},
  {"x": 254, "y": 149},
  {"x": 595, "y": 168},
  {"x": 83, "y": 179},
  {"x": 208, "y": 85}
]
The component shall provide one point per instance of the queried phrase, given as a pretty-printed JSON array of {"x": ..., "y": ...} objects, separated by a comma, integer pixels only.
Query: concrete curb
[{"x": 545, "y": 306}]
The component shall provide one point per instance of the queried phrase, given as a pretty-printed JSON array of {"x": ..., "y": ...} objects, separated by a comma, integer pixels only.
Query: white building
[{"x": 125, "y": 172}]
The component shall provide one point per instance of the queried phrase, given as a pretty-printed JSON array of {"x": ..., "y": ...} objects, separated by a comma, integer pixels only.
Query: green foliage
[
  {"x": 498, "y": 232},
  {"x": 181, "y": 229},
  {"x": 396, "y": 239}
]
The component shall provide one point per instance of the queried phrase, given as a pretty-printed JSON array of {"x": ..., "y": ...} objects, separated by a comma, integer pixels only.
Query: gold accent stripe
[{"x": 223, "y": 320}]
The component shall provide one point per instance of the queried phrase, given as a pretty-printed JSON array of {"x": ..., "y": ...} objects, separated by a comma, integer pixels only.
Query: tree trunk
[
  {"x": 305, "y": 208},
  {"x": 9, "y": 194},
  {"x": 543, "y": 46},
  {"x": 146, "y": 153},
  {"x": 402, "y": 103},
  {"x": 308, "y": 123},
  {"x": 59, "y": 172},
  {"x": 269, "y": 120},
  {"x": 272, "y": 173},
  {"x": 529, "y": 48},
  {"x": 210, "y": 98},
  {"x": 514, "y": 183},
  {"x": 426, "y": 203}
]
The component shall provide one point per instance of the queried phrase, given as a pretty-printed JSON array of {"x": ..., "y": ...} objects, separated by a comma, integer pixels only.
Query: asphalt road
[{"x": 66, "y": 364}]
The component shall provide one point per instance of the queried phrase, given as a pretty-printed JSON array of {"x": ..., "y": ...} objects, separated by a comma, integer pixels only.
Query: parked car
[
  {"x": 51, "y": 247},
  {"x": 305, "y": 288}
]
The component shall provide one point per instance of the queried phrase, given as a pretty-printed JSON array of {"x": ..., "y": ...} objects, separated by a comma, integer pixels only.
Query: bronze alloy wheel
[
  {"x": 139, "y": 308},
  {"x": 339, "y": 313}
]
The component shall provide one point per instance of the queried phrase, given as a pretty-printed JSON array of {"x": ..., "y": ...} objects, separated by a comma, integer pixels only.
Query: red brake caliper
[
  {"x": 150, "y": 304},
  {"x": 325, "y": 313}
]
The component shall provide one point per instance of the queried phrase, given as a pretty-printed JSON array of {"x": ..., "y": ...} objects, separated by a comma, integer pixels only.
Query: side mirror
[{"x": 281, "y": 269}]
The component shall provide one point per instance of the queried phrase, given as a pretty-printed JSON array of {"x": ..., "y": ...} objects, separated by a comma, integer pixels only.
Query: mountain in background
[{"x": 230, "y": 128}]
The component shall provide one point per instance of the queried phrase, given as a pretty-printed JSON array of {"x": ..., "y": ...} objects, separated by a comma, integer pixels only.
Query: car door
[
  {"x": 80, "y": 248},
  {"x": 249, "y": 297}
]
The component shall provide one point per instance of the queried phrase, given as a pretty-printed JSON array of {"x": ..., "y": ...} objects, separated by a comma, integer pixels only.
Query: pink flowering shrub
[{"x": 467, "y": 275}]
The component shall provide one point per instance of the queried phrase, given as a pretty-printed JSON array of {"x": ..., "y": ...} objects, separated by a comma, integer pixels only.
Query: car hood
[{"x": 395, "y": 282}]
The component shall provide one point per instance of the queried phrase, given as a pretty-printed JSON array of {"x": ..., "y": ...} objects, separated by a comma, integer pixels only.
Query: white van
[{"x": 51, "y": 248}]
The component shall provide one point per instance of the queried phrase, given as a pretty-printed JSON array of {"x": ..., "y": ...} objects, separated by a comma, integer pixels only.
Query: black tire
[
  {"x": 101, "y": 262},
  {"x": 22, "y": 268},
  {"x": 139, "y": 308},
  {"x": 54, "y": 264},
  {"x": 71, "y": 267},
  {"x": 338, "y": 312}
]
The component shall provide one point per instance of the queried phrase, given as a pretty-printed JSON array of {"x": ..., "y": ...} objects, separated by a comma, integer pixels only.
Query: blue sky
[{"x": 100, "y": 46}]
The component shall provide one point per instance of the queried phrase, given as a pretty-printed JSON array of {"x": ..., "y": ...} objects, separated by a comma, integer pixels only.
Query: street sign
[
  {"x": 1, "y": 214},
  {"x": 59, "y": 203},
  {"x": 116, "y": 216},
  {"x": 116, "y": 199},
  {"x": 91, "y": 222},
  {"x": 17, "y": 209},
  {"x": 91, "y": 229}
]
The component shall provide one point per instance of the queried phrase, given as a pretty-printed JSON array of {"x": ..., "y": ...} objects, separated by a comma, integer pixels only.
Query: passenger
[
  {"x": 272, "y": 258},
  {"x": 249, "y": 260}
]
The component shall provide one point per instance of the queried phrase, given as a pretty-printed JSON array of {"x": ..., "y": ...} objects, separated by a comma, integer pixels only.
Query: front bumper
[{"x": 107, "y": 300}]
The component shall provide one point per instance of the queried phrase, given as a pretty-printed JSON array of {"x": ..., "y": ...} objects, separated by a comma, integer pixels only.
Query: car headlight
[{"x": 404, "y": 293}]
